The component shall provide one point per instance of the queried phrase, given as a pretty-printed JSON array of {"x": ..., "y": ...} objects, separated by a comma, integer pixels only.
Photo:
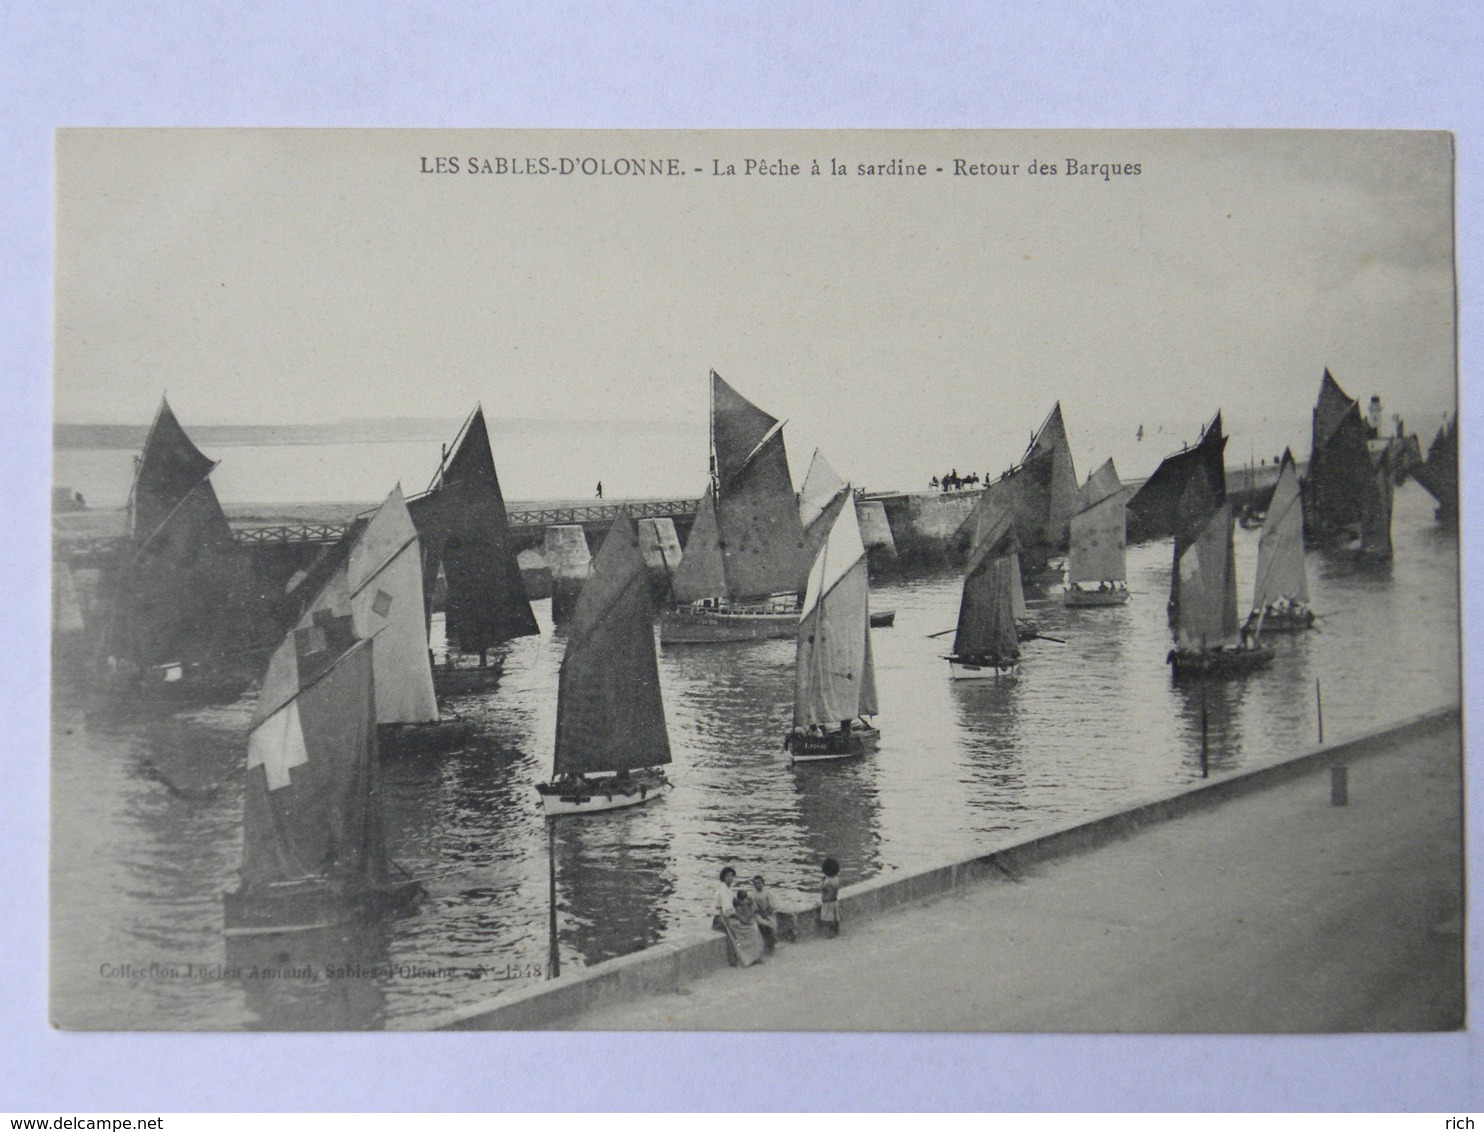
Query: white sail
[
  {"x": 381, "y": 586},
  {"x": 835, "y": 675},
  {"x": 821, "y": 485},
  {"x": 1099, "y": 530},
  {"x": 1280, "y": 552}
]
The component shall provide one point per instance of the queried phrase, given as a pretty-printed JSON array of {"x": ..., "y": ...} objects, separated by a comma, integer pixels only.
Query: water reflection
[
  {"x": 148, "y": 802},
  {"x": 334, "y": 979}
]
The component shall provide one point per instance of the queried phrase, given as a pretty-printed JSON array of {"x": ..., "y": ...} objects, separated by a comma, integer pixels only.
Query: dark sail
[
  {"x": 700, "y": 574},
  {"x": 986, "y": 612},
  {"x": 1206, "y": 575},
  {"x": 610, "y": 715},
  {"x": 1342, "y": 494},
  {"x": 1197, "y": 504},
  {"x": 1439, "y": 472},
  {"x": 1153, "y": 512},
  {"x": 1050, "y": 444},
  {"x": 462, "y": 525},
  {"x": 757, "y": 516},
  {"x": 180, "y": 586},
  {"x": 311, "y": 793}
]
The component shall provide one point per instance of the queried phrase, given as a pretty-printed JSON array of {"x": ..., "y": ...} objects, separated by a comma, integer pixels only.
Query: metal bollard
[{"x": 1339, "y": 785}]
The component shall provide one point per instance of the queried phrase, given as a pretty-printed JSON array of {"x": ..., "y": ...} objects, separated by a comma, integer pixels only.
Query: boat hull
[
  {"x": 807, "y": 748},
  {"x": 407, "y": 739},
  {"x": 601, "y": 794},
  {"x": 715, "y": 626},
  {"x": 1089, "y": 599},
  {"x": 314, "y": 904},
  {"x": 466, "y": 680},
  {"x": 1218, "y": 662},
  {"x": 1282, "y": 622},
  {"x": 883, "y": 620},
  {"x": 986, "y": 670}
]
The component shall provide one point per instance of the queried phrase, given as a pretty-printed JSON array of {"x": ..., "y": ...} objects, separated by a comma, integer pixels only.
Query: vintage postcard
[{"x": 900, "y": 580}]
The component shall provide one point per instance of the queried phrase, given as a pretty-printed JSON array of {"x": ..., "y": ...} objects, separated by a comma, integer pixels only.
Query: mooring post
[
  {"x": 1319, "y": 703},
  {"x": 1205, "y": 735},
  {"x": 554, "y": 955}
]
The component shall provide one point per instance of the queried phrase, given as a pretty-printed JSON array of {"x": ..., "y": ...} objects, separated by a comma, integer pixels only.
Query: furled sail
[
  {"x": 700, "y": 573},
  {"x": 610, "y": 715},
  {"x": 1098, "y": 530},
  {"x": 1280, "y": 551},
  {"x": 757, "y": 516},
  {"x": 311, "y": 794},
  {"x": 463, "y": 527},
  {"x": 1207, "y": 615},
  {"x": 835, "y": 678},
  {"x": 380, "y": 585},
  {"x": 823, "y": 495},
  {"x": 179, "y": 589},
  {"x": 986, "y": 612}
]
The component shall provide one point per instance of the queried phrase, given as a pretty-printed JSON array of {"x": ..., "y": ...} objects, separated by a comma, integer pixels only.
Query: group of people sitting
[
  {"x": 745, "y": 912},
  {"x": 954, "y": 482}
]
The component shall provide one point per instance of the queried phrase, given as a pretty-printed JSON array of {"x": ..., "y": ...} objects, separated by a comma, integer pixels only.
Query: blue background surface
[{"x": 671, "y": 65}]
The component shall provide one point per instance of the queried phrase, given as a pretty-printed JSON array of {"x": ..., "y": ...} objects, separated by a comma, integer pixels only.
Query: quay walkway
[{"x": 1247, "y": 904}]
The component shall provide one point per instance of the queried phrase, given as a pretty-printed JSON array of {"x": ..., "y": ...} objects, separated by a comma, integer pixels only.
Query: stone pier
[{"x": 569, "y": 560}]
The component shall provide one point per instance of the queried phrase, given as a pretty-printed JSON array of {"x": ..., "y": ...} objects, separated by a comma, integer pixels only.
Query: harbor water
[{"x": 147, "y": 804}]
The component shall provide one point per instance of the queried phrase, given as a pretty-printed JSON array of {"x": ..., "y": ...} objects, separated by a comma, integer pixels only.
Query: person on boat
[
  {"x": 829, "y": 897},
  {"x": 767, "y": 914},
  {"x": 933, "y": 483}
]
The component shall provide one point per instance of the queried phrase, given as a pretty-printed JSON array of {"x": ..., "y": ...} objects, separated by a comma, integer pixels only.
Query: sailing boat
[
  {"x": 378, "y": 583},
  {"x": 610, "y": 716},
  {"x": 1041, "y": 494},
  {"x": 1154, "y": 511},
  {"x": 1207, "y": 640},
  {"x": 1097, "y": 557},
  {"x": 1347, "y": 493},
  {"x": 820, "y": 500},
  {"x": 313, "y": 847},
  {"x": 745, "y": 561},
  {"x": 986, "y": 645},
  {"x": 835, "y": 678},
  {"x": 465, "y": 532},
  {"x": 1439, "y": 472},
  {"x": 178, "y": 622},
  {"x": 1280, "y": 599}
]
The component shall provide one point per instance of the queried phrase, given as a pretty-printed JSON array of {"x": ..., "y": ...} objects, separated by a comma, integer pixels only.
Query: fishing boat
[
  {"x": 1280, "y": 598},
  {"x": 1154, "y": 511},
  {"x": 821, "y": 499},
  {"x": 1347, "y": 492},
  {"x": 1208, "y": 641},
  {"x": 1439, "y": 472},
  {"x": 1097, "y": 574},
  {"x": 745, "y": 561},
  {"x": 465, "y": 533},
  {"x": 834, "y": 675},
  {"x": 177, "y": 624},
  {"x": 313, "y": 847},
  {"x": 378, "y": 583},
  {"x": 610, "y": 736},
  {"x": 1040, "y": 492},
  {"x": 986, "y": 645}
]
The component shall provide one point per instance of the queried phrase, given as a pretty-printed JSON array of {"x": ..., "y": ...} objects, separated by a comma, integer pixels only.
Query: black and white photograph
[{"x": 727, "y": 580}]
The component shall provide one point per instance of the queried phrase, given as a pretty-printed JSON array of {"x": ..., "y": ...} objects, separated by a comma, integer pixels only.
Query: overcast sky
[{"x": 272, "y": 276}]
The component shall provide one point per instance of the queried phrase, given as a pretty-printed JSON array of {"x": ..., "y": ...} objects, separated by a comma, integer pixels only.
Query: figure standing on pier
[{"x": 600, "y": 489}]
